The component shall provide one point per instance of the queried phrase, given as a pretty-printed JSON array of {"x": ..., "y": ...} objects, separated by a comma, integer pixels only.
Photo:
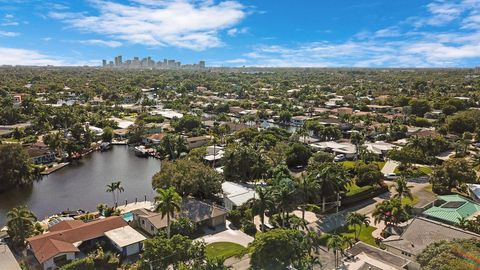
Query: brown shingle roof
[{"x": 48, "y": 245}]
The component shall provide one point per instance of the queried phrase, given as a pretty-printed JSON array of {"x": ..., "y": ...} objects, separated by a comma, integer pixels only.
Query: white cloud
[
  {"x": 400, "y": 45},
  {"x": 107, "y": 43},
  {"x": 181, "y": 23},
  {"x": 236, "y": 31},
  {"x": 236, "y": 61},
  {"x": 14, "y": 56},
  {"x": 8, "y": 34}
]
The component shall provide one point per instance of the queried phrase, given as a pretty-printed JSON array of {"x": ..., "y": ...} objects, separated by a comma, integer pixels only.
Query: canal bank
[{"x": 82, "y": 184}]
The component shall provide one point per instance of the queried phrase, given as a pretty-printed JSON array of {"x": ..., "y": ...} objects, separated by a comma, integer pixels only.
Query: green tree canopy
[
  {"x": 189, "y": 177},
  {"x": 15, "y": 167}
]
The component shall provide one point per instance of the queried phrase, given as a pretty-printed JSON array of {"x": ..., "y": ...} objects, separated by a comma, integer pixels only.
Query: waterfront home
[
  {"x": 40, "y": 153},
  {"x": 201, "y": 213},
  {"x": 449, "y": 209},
  {"x": 235, "y": 195},
  {"x": 66, "y": 240},
  {"x": 363, "y": 256},
  {"x": 420, "y": 233},
  {"x": 153, "y": 139}
]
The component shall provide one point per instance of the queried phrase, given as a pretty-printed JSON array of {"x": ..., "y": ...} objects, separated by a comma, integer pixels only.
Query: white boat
[{"x": 141, "y": 151}]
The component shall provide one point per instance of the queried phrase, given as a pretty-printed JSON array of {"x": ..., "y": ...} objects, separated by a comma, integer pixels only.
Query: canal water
[{"x": 82, "y": 184}]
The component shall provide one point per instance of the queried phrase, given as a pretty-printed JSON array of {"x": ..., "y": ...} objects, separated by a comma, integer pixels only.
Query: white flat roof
[
  {"x": 237, "y": 193},
  {"x": 125, "y": 236},
  {"x": 7, "y": 259}
]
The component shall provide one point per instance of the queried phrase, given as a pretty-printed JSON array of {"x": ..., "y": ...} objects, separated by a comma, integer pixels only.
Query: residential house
[
  {"x": 153, "y": 139},
  {"x": 235, "y": 195},
  {"x": 299, "y": 120},
  {"x": 449, "y": 209},
  {"x": 474, "y": 191},
  {"x": 199, "y": 141},
  {"x": 65, "y": 240},
  {"x": 362, "y": 256},
  {"x": 214, "y": 155},
  {"x": 201, "y": 213},
  {"x": 379, "y": 148},
  {"x": 40, "y": 153},
  {"x": 420, "y": 233},
  {"x": 348, "y": 149}
]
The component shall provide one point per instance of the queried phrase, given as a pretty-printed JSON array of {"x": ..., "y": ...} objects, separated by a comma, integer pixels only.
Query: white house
[
  {"x": 126, "y": 240},
  {"x": 235, "y": 195}
]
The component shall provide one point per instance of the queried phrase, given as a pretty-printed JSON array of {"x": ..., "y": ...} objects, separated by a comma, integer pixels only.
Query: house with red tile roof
[{"x": 63, "y": 241}]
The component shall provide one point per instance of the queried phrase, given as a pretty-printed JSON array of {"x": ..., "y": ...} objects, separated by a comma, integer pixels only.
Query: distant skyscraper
[
  {"x": 104, "y": 63},
  {"x": 120, "y": 62},
  {"x": 201, "y": 64}
]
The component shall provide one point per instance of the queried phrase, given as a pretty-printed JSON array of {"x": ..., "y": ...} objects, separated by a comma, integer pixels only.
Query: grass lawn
[
  {"x": 353, "y": 189},
  {"x": 365, "y": 234},
  {"x": 350, "y": 164},
  {"x": 409, "y": 201},
  {"x": 224, "y": 250},
  {"x": 425, "y": 170}
]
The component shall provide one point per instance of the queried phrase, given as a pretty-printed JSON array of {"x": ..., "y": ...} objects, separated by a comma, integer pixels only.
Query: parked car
[
  {"x": 391, "y": 176},
  {"x": 339, "y": 158}
]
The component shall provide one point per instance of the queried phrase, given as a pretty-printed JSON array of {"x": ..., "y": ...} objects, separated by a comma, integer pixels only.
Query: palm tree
[
  {"x": 310, "y": 187},
  {"x": 356, "y": 219},
  {"x": 337, "y": 243},
  {"x": 402, "y": 189},
  {"x": 332, "y": 180},
  {"x": 284, "y": 191},
  {"x": 21, "y": 224},
  {"x": 262, "y": 203},
  {"x": 168, "y": 203},
  {"x": 390, "y": 211},
  {"x": 115, "y": 188}
]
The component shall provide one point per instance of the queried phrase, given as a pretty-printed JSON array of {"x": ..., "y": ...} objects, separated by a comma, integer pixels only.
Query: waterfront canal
[{"x": 82, "y": 184}]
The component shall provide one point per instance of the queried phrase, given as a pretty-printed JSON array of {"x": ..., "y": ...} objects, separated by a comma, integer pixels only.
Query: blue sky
[{"x": 314, "y": 33}]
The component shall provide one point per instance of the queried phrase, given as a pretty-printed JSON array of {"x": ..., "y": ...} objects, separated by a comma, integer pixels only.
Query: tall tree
[
  {"x": 337, "y": 243},
  {"x": 21, "y": 224},
  {"x": 402, "y": 189},
  {"x": 15, "y": 167},
  {"x": 356, "y": 219},
  {"x": 262, "y": 203},
  {"x": 115, "y": 188},
  {"x": 168, "y": 204}
]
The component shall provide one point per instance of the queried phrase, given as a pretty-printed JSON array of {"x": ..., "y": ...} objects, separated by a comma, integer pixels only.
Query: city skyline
[
  {"x": 149, "y": 62},
  {"x": 425, "y": 33}
]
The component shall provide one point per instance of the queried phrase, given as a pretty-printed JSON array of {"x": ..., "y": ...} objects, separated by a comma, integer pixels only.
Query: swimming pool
[{"x": 128, "y": 216}]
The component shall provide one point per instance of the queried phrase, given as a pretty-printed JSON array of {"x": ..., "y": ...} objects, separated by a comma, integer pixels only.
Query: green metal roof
[{"x": 452, "y": 215}]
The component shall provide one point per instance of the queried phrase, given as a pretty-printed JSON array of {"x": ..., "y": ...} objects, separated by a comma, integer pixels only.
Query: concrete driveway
[
  {"x": 229, "y": 235},
  {"x": 390, "y": 166}
]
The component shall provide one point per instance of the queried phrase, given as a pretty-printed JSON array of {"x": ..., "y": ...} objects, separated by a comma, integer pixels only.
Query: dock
[{"x": 54, "y": 168}]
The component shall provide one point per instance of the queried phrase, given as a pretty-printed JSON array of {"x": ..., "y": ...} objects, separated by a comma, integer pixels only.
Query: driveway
[
  {"x": 229, "y": 235},
  {"x": 390, "y": 166}
]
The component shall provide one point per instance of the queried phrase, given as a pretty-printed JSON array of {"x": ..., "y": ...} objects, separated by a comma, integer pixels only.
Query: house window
[
  {"x": 143, "y": 222},
  {"x": 151, "y": 228}
]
